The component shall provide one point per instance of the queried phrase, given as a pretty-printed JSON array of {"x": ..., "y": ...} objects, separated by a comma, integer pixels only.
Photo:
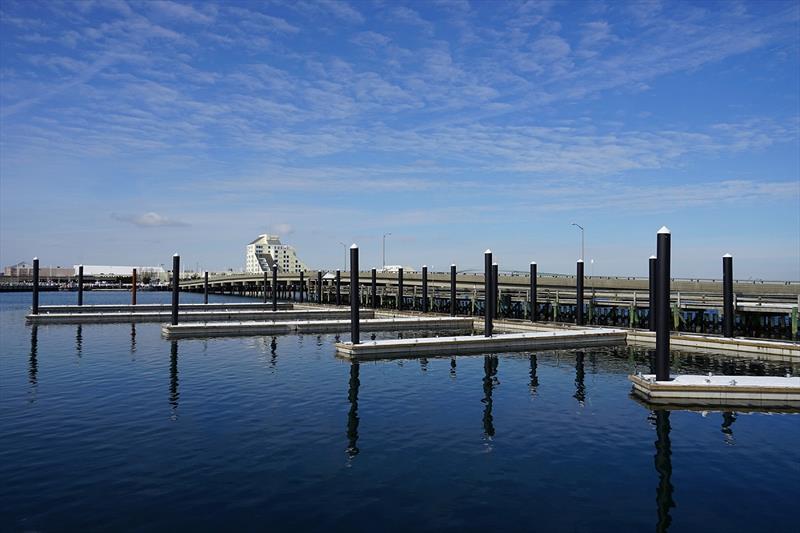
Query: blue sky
[{"x": 131, "y": 130}]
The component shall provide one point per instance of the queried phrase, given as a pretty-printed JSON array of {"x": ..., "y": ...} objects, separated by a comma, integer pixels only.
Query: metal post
[
  {"x": 662, "y": 299},
  {"x": 374, "y": 288},
  {"x": 319, "y": 286},
  {"x": 579, "y": 294},
  {"x": 495, "y": 292},
  {"x": 80, "y": 284},
  {"x": 338, "y": 287},
  {"x": 727, "y": 295},
  {"x": 424, "y": 288},
  {"x": 354, "y": 299},
  {"x": 205, "y": 287},
  {"x": 35, "y": 303},
  {"x": 452, "y": 290},
  {"x": 534, "y": 304},
  {"x": 302, "y": 283},
  {"x": 653, "y": 306},
  {"x": 487, "y": 293},
  {"x": 274, "y": 287},
  {"x": 176, "y": 275},
  {"x": 400, "y": 289},
  {"x": 133, "y": 287}
]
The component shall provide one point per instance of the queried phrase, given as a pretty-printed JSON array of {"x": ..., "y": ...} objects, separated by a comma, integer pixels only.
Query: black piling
[
  {"x": 80, "y": 285},
  {"x": 662, "y": 302},
  {"x": 274, "y": 287},
  {"x": 487, "y": 293},
  {"x": 400, "y": 289},
  {"x": 653, "y": 305},
  {"x": 579, "y": 293},
  {"x": 452, "y": 290},
  {"x": 134, "y": 281},
  {"x": 319, "y": 286},
  {"x": 176, "y": 276},
  {"x": 265, "y": 287},
  {"x": 354, "y": 296},
  {"x": 374, "y": 288},
  {"x": 35, "y": 302},
  {"x": 534, "y": 304},
  {"x": 424, "y": 288},
  {"x": 302, "y": 286},
  {"x": 205, "y": 287},
  {"x": 727, "y": 295},
  {"x": 338, "y": 287}
]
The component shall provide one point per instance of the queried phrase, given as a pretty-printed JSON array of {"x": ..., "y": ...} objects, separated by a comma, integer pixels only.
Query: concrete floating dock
[
  {"x": 478, "y": 344},
  {"x": 770, "y": 349},
  {"x": 234, "y": 329},
  {"x": 150, "y": 308},
  {"x": 192, "y": 316},
  {"x": 731, "y": 391}
]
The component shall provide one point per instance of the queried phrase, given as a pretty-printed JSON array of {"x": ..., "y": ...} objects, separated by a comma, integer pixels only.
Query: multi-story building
[{"x": 267, "y": 250}]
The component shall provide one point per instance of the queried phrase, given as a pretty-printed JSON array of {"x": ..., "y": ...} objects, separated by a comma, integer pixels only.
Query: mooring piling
[
  {"x": 133, "y": 287},
  {"x": 400, "y": 289},
  {"x": 176, "y": 269},
  {"x": 424, "y": 288},
  {"x": 274, "y": 287},
  {"x": 319, "y": 286},
  {"x": 265, "y": 282},
  {"x": 374, "y": 288},
  {"x": 452, "y": 290},
  {"x": 662, "y": 300},
  {"x": 302, "y": 286},
  {"x": 338, "y": 287},
  {"x": 354, "y": 296},
  {"x": 205, "y": 287},
  {"x": 534, "y": 305},
  {"x": 652, "y": 304},
  {"x": 80, "y": 284},
  {"x": 727, "y": 295},
  {"x": 579, "y": 293},
  {"x": 35, "y": 302},
  {"x": 487, "y": 293}
]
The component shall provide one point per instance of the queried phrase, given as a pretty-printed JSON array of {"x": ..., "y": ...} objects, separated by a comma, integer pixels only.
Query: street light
[
  {"x": 345, "y": 255},
  {"x": 384, "y": 249},
  {"x": 581, "y": 228}
]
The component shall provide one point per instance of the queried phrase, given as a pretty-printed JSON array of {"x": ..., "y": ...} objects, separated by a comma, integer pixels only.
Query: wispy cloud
[{"x": 148, "y": 220}]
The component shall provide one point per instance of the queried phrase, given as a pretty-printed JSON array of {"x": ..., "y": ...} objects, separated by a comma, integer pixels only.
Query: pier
[{"x": 190, "y": 316}]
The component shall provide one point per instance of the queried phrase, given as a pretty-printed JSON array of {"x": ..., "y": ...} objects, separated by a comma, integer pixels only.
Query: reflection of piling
[
  {"x": 663, "y": 461},
  {"x": 727, "y": 295},
  {"x": 352, "y": 415},
  {"x": 728, "y": 418},
  {"x": 662, "y": 301},
  {"x": 489, "y": 373},
  {"x": 35, "y": 302},
  {"x": 33, "y": 361},
  {"x": 580, "y": 387},
  {"x": 452, "y": 290},
  {"x": 79, "y": 340},
  {"x": 133, "y": 338},
  {"x": 173, "y": 377},
  {"x": 534, "y": 310},
  {"x": 355, "y": 336},
  {"x": 533, "y": 373}
]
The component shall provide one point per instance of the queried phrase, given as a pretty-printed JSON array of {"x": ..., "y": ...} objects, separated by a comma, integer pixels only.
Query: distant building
[
  {"x": 25, "y": 270},
  {"x": 267, "y": 250},
  {"x": 155, "y": 272}
]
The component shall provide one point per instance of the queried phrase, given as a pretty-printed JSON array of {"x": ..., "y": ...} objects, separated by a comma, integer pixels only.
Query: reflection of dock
[
  {"x": 189, "y": 316},
  {"x": 321, "y": 325},
  {"x": 478, "y": 344},
  {"x": 729, "y": 391}
]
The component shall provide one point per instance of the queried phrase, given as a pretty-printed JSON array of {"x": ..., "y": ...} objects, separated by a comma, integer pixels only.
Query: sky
[{"x": 133, "y": 130}]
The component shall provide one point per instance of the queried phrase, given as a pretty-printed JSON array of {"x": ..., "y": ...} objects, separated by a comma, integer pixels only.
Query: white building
[
  {"x": 155, "y": 272},
  {"x": 267, "y": 250}
]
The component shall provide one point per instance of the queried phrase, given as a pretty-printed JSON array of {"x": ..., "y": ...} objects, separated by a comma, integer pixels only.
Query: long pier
[{"x": 190, "y": 316}]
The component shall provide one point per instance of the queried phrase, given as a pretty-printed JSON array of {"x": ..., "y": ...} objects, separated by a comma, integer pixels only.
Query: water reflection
[
  {"x": 728, "y": 418},
  {"x": 534, "y": 378},
  {"x": 352, "y": 415},
  {"x": 663, "y": 462},
  {"x": 33, "y": 363},
  {"x": 453, "y": 367},
  {"x": 489, "y": 383},
  {"x": 79, "y": 340},
  {"x": 423, "y": 364},
  {"x": 173, "y": 380},
  {"x": 580, "y": 387},
  {"x": 273, "y": 352},
  {"x": 133, "y": 339}
]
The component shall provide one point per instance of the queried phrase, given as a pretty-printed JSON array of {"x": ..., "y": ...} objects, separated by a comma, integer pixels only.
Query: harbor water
[{"x": 111, "y": 427}]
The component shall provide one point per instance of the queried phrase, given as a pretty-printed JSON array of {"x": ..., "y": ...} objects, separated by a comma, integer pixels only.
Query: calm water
[{"x": 110, "y": 427}]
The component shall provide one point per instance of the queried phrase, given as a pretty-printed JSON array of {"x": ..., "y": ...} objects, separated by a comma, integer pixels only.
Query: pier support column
[
  {"x": 265, "y": 287},
  {"x": 80, "y": 284},
  {"x": 579, "y": 293},
  {"x": 354, "y": 299},
  {"x": 319, "y": 286},
  {"x": 424, "y": 288},
  {"x": 662, "y": 301},
  {"x": 274, "y": 287},
  {"x": 338, "y": 287},
  {"x": 534, "y": 304},
  {"x": 400, "y": 289},
  {"x": 487, "y": 293},
  {"x": 374, "y": 287},
  {"x": 727, "y": 295},
  {"x": 453, "y": 290},
  {"x": 205, "y": 287},
  {"x": 176, "y": 276},
  {"x": 133, "y": 287},
  {"x": 302, "y": 285},
  {"x": 652, "y": 304},
  {"x": 35, "y": 302}
]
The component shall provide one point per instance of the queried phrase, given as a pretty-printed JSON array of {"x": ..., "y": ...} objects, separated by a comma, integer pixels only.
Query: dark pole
[
  {"x": 662, "y": 299},
  {"x": 424, "y": 288},
  {"x": 400, "y": 289},
  {"x": 452, "y": 290},
  {"x": 663, "y": 461},
  {"x": 319, "y": 286},
  {"x": 487, "y": 293},
  {"x": 176, "y": 269},
  {"x": 80, "y": 285},
  {"x": 35, "y": 303},
  {"x": 727, "y": 295},
  {"x": 495, "y": 293},
  {"x": 374, "y": 289},
  {"x": 205, "y": 288},
  {"x": 534, "y": 310},
  {"x": 265, "y": 287},
  {"x": 354, "y": 296},
  {"x": 653, "y": 304},
  {"x": 133, "y": 287},
  {"x": 274, "y": 287},
  {"x": 338, "y": 287},
  {"x": 302, "y": 283},
  {"x": 579, "y": 293}
]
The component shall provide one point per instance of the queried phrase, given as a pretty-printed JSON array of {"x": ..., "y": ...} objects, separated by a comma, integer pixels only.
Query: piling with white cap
[
  {"x": 355, "y": 334},
  {"x": 453, "y": 290},
  {"x": 424, "y": 288},
  {"x": 534, "y": 304},
  {"x": 176, "y": 271},
  {"x": 579, "y": 293},
  {"x": 727, "y": 296},
  {"x": 487, "y": 293},
  {"x": 663, "y": 252},
  {"x": 35, "y": 302},
  {"x": 80, "y": 284}
]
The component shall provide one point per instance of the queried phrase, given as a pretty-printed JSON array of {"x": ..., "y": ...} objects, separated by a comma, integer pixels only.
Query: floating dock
[
  {"x": 765, "y": 348},
  {"x": 730, "y": 391},
  {"x": 150, "y": 308},
  {"x": 478, "y": 344},
  {"x": 192, "y": 316},
  {"x": 233, "y": 329}
]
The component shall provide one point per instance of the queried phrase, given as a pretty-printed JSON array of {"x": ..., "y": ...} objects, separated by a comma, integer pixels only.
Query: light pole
[
  {"x": 345, "y": 255},
  {"x": 384, "y": 249},
  {"x": 581, "y": 228}
]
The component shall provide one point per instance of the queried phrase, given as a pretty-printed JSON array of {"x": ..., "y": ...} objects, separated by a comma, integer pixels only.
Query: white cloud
[{"x": 148, "y": 220}]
